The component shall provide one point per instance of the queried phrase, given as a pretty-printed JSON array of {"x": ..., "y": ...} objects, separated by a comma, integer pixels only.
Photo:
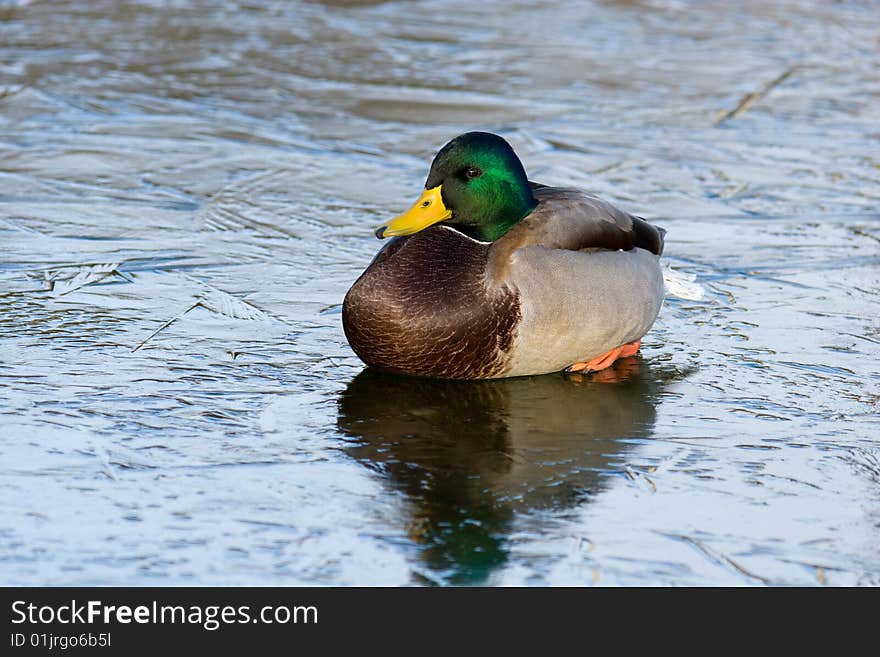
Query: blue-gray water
[{"x": 200, "y": 180}]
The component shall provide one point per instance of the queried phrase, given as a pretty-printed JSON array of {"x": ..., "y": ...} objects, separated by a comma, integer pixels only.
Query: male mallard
[{"x": 498, "y": 276}]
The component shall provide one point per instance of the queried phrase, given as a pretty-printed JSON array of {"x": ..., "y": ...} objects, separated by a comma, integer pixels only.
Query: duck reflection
[{"x": 470, "y": 455}]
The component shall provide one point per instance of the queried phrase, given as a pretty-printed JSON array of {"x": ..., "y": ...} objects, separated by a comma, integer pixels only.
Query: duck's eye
[{"x": 472, "y": 172}]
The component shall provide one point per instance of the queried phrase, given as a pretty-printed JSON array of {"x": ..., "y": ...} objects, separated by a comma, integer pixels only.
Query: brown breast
[{"x": 423, "y": 308}]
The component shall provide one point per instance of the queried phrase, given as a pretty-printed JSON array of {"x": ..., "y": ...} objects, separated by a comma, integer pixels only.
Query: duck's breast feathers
[
  {"x": 422, "y": 307},
  {"x": 574, "y": 220}
]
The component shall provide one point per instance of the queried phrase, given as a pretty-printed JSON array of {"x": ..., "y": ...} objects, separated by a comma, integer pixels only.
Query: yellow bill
[{"x": 429, "y": 209}]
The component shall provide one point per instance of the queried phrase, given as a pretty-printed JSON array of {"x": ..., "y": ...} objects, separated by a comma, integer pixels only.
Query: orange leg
[{"x": 605, "y": 360}]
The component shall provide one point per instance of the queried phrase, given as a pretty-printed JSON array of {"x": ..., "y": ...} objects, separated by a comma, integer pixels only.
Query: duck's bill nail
[{"x": 428, "y": 210}]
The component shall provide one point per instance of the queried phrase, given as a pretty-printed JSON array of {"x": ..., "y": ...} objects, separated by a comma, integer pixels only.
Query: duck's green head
[{"x": 476, "y": 184}]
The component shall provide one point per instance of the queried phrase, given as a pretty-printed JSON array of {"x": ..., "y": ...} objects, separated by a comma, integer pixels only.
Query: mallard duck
[{"x": 490, "y": 275}]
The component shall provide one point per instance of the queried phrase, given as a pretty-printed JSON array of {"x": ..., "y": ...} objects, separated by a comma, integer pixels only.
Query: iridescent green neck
[{"x": 494, "y": 221}]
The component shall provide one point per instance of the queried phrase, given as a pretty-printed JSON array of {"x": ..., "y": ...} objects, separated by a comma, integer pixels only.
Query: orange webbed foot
[{"x": 605, "y": 360}]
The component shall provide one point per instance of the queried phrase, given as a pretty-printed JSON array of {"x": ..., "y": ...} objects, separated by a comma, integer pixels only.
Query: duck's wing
[{"x": 573, "y": 220}]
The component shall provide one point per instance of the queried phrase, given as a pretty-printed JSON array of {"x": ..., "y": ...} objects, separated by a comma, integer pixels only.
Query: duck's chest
[{"x": 423, "y": 308}]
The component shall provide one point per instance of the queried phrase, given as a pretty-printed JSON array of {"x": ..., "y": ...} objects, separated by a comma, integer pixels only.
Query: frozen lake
[{"x": 187, "y": 192}]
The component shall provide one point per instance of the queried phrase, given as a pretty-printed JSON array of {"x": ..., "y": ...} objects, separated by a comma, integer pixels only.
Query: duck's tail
[{"x": 648, "y": 236}]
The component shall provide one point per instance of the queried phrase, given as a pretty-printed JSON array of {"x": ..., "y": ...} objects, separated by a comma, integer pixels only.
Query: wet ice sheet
[{"x": 186, "y": 194}]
